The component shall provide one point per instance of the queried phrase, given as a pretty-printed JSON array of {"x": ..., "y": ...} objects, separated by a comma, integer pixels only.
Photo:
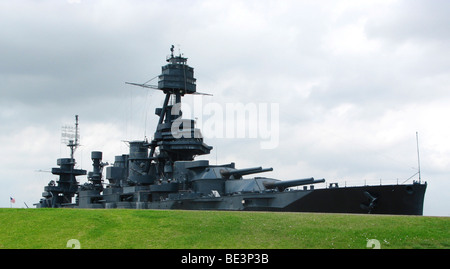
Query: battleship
[{"x": 163, "y": 173}]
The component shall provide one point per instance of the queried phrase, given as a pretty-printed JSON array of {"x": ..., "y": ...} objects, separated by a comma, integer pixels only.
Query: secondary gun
[
  {"x": 238, "y": 173},
  {"x": 281, "y": 185}
]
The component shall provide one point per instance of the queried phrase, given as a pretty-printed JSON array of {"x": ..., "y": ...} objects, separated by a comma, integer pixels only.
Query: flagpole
[{"x": 418, "y": 155}]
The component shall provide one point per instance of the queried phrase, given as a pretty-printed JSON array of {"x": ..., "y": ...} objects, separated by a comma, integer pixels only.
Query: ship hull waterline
[{"x": 390, "y": 199}]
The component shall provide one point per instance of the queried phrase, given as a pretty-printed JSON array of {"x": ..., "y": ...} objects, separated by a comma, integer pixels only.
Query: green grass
[{"x": 157, "y": 229}]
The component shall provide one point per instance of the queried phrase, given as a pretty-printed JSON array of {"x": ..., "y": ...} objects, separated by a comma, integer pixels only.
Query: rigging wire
[
  {"x": 150, "y": 80},
  {"x": 146, "y": 114},
  {"x": 376, "y": 153}
]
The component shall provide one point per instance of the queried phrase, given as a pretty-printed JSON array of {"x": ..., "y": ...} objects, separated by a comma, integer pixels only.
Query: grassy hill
[{"x": 155, "y": 229}]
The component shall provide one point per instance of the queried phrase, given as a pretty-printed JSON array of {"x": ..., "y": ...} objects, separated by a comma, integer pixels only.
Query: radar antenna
[
  {"x": 171, "y": 50},
  {"x": 71, "y": 137}
]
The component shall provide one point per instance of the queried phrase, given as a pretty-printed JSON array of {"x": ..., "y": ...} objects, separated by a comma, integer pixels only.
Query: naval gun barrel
[
  {"x": 242, "y": 172},
  {"x": 283, "y": 184}
]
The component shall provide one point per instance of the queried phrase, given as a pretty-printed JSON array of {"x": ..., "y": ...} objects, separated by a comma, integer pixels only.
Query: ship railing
[
  {"x": 355, "y": 183},
  {"x": 366, "y": 182}
]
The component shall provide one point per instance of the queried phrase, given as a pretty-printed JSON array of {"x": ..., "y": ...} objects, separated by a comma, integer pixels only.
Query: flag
[{"x": 12, "y": 200}]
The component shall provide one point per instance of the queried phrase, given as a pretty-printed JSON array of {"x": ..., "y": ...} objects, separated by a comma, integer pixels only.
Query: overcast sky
[{"x": 354, "y": 81}]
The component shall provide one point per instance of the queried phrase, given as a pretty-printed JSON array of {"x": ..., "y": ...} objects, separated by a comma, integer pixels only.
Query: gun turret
[
  {"x": 283, "y": 184},
  {"x": 238, "y": 173}
]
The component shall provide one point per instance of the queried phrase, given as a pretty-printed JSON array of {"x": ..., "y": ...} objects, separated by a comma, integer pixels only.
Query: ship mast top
[
  {"x": 70, "y": 136},
  {"x": 177, "y": 77},
  {"x": 175, "y": 59}
]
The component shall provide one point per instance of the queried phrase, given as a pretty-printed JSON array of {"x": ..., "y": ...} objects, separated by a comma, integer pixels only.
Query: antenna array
[{"x": 70, "y": 136}]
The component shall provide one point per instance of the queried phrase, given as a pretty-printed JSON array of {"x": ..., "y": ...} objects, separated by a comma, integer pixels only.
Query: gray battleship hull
[{"x": 391, "y": 199}]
